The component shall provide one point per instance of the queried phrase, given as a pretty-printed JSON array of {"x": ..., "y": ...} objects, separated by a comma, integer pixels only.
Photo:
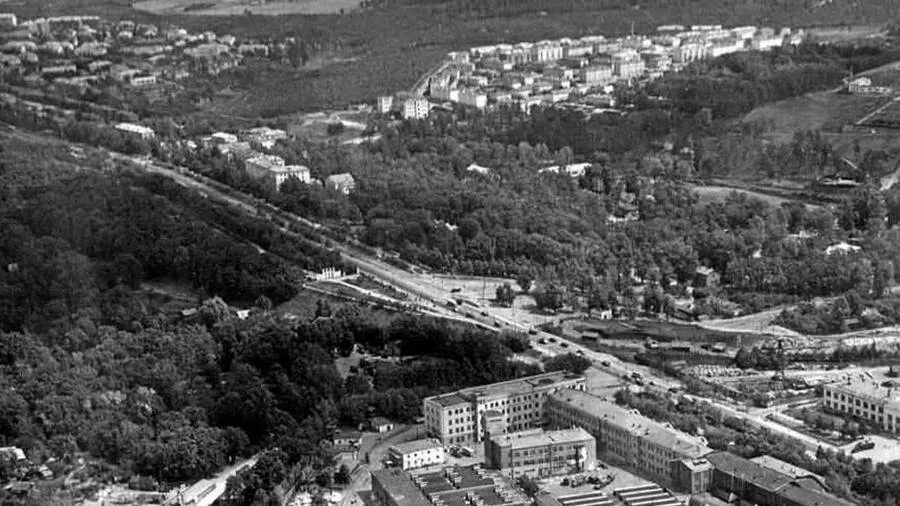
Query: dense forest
[{"x": 95, "y": 364}]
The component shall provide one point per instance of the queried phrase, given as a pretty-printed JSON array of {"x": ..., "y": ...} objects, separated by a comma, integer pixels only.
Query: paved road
[{"x": 425, "y": 295}]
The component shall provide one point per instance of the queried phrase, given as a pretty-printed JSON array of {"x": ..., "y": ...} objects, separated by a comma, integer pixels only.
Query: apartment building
[
  {"x": 651, "y": 447},
  {"x": 545, "y": 51},
  {"x": 865, "y": 399},
  {"x": 343, "y": 183},
  {"x": 272, "y": 170},
  {"x": 418, "y": 453},
  {"x": 458, "y": 417},
  {"x": 8, "y": 20},
  {"x": 415, "y": 108},
  {"x": 627, "y": 64},
  {"x": 473, "y": 98},
  {"x": 596, "y": 74},
  {"x": 540, "y": 453},
  {"x": 139, "y": 131}
]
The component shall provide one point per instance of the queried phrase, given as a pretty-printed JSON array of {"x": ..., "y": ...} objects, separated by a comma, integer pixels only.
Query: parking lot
[{"x": 886, "y": 449}]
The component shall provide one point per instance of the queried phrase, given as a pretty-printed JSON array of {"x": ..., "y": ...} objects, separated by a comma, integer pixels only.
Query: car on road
[
  {"x": 580, "y": 352},
  {"x": 542, "y": 341},
  {"x": 551, "y": 339},
  {"x": 455, "y": 290},
  {"x": 532, "y": 332},
  {"x": 862, "y": 446},
  {"x": 605, "y": 363},
  {"x": 564, "y": 345}
]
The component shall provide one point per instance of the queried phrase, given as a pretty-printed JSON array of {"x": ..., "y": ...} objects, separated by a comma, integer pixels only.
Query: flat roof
[
  {"x": 540, "y": 437},
  {"x": 516, "y": 386},
  {"x": 785, "y": 467},
  {"x": 400, "y": 487},
  {"x": 416, "y": 446},
  {"x": 659, "y": 434},
  {"x": 868, "y": 388}
]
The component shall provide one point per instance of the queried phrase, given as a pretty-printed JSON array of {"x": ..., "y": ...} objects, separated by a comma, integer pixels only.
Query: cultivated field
[{"x": 240, "y": 7}]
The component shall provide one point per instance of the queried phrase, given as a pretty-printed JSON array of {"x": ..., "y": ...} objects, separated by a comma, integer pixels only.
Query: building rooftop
[
  {"x": 290, "y": 169},
  {"x": 868, "y": 388},
  {"x": 661, "y": 435},
  {"x": 506, "y": 388},
  {"x": 800, "y": 495},
  {"x": 539, "y": 437},
  {"x": 400, "y": 487},
  {"x": 747, "y": 470},
  {"x": 785, "y": 467},
  {"x": 416, "y": 446}
]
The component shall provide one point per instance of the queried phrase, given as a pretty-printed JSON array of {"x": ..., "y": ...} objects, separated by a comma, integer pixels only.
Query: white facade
[
  {"x": 456, "y": 418},
  {"x": 473, "y": 98},
  {"x": 282, "y": 174},
  {"x": 416, "y": 454},
  {"x": 865, "y": 399},
  {"x": 415, "y": 108},
  {"x": 385, "y": 104},
  {"x": 137, "y": 130}
]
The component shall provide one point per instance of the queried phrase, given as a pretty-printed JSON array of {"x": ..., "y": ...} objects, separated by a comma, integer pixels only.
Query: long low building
[
  {"x": 457, "y": 418},
  {"x": 756, "y": 483},
  {"x": 539, "y": 453},
  {"x": 652, "y": 448}
]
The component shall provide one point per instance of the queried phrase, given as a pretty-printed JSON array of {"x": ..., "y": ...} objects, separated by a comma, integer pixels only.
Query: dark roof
[
  {"x": 800, "y": 495},
  {"x": 749, "y": 471},
  {"x": 400, "y": 487}
]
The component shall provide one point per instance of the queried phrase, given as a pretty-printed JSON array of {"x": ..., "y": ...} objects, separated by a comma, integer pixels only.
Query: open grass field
[
  {"x": 827, "y": 111},
  {"x": 240, "y": 7}
]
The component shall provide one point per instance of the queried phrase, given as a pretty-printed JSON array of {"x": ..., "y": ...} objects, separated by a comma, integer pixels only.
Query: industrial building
[
  {"x": 758, "y": 484},
  {"x": 416, "y": 454},
  {"x": 458, "y": 417},
  {"x": 539, "y": 453},
  {"x": 865, "y": 399},
  {"x": 652, "y": 448}
]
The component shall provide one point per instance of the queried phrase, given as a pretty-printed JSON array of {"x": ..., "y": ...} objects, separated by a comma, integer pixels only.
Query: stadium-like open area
[{"x": 241, "y": 7}]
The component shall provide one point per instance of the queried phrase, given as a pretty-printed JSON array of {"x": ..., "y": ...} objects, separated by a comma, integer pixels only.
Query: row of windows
[{"x": 855, "y": 401}]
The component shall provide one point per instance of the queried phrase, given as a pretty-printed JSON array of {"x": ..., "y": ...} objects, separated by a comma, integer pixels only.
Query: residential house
[{"x": 343, "y": 183}]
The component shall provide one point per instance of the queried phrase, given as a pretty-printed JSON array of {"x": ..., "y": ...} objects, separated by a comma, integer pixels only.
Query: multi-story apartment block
[
  {"x": 139, "y": 131},
  {"x": 264, "y": 136},
  {"x": 8, "y": 20},
  {"x": 473, "y": 98},
  {"x": 725, "y": 46},
  {"x": 445, "y": 93},
  {"x": 385, "y": 104},
  {"x": 766, "y": 43},
  {"x": 627, "y": 64},
  {"x": 416, "y": 108},
  {"x": 546, "y": 51},
  {"x": 416, "y": 454},
  {"x": 690, "y": 50},
  {"x": 280, "y": 174},
  {"x": 260, "y": 165},
  {"x": 457, "y": 418},
  {"x": 649, "y": 446},
  {"x": 596, "y": 74},
  {"x": 865, "y": 399},
  {"x": 540, "y": 453}
]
